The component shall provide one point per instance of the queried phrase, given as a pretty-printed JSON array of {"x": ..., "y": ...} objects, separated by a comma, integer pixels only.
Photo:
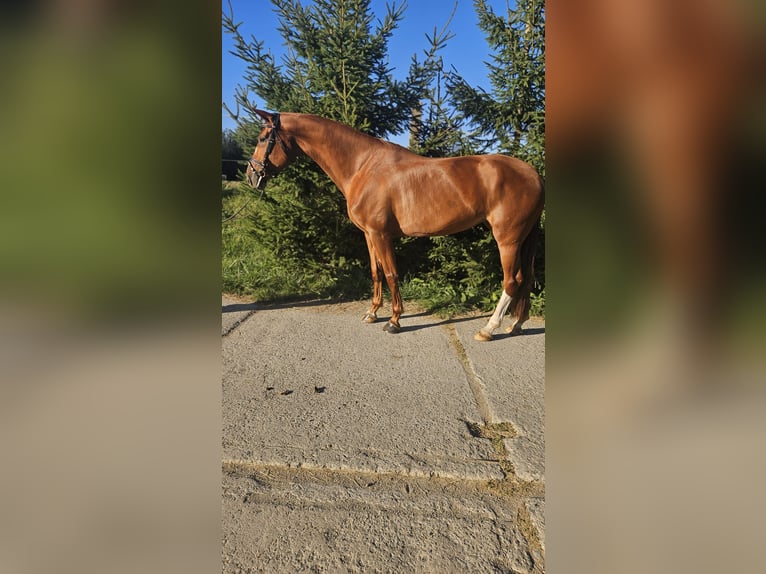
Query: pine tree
[
  {"x": 336, "y": 66},
  {"x": 511, "y": 118},
  {"x": 439, "y": 129},
  {"x": 436, "y": 129}
]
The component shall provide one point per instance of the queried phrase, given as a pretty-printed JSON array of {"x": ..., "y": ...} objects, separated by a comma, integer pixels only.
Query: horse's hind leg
[
  {"x": 520, "y": 304},
  {"x": 377, "y": 284},
  {"x": 497, "y": 317},
  {"x": 510, "y": 260}
]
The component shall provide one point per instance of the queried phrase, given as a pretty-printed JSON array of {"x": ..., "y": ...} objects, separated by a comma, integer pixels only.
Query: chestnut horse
[{"x": 391, "y": 192}]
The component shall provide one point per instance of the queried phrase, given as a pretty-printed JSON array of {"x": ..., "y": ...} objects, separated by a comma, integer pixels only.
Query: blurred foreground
[
  {"x": 109, "y": 248},
  {"x": 654, "y": 380}
]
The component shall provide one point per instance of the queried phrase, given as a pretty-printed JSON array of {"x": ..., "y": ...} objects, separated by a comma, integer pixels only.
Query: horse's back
[{"x": 414, "y": 195}]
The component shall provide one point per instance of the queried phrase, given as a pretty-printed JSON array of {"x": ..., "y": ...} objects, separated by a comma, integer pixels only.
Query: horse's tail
[{"x": 520, "y": 300}]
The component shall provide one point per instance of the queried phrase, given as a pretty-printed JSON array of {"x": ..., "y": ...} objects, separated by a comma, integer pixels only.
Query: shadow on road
[
  {"x": 438, "y": 323},
  {"x": 497, "y": 336},
  {"x": 292, "y": 304},
  {"x": 525, "y": 331},
  {"x": 272, "y": 305}
]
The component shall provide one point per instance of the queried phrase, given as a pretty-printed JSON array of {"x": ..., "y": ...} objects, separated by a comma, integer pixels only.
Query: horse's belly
[{"x": 434, "y": 223}]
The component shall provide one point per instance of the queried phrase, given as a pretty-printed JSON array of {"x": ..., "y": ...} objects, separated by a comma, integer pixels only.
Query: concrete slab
[
  {"x": 311, "y": 385},
  {"x": 512, "y": 373},
  {"x": 313, "y": 521}
]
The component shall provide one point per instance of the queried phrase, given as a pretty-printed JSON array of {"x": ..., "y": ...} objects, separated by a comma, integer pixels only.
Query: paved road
[{"x": 347, "y": 449}]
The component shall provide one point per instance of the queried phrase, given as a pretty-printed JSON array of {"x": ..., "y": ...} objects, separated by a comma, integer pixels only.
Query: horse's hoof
[
  {"x": 514, "y": 330},
  {"x": 370, "y": 318},
  {"x": 392, "y": 328},
  {"x": 483, "y": 336}
]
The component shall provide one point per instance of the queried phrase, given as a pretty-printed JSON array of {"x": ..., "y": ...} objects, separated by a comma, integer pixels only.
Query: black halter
[{"x": 265, "y": 167}]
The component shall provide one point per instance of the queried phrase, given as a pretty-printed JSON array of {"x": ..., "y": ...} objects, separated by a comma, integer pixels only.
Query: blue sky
[{"x": 467, "y": 51}]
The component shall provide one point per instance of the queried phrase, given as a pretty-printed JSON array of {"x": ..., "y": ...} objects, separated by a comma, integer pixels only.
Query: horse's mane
[{"x": 352, "y": 133}]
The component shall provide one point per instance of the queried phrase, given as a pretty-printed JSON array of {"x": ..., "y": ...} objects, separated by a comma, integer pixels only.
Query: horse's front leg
[
  {"x": 377, "y": 284},
  {"x": 384, "y": 251},
  {"x": 397, "y": 307}
]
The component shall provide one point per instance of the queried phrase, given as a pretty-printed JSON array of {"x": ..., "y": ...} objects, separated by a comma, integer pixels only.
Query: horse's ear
[{"x": 265, "y": 116}]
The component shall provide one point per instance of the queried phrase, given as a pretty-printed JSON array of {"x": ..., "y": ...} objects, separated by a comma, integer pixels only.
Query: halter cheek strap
[{"x": 265, "y": 166}]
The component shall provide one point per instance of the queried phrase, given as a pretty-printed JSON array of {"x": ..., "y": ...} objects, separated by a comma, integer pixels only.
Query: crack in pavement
[
  {"x": 475, "y": 382},
  {"x": 237, "y": 323}
]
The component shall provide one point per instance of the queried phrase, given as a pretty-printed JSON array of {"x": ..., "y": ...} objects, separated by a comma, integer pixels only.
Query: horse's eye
[{"x": 263, "y": 139}]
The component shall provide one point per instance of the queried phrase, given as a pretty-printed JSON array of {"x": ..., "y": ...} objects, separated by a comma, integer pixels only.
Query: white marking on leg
[{"x": 497, "y": 316}]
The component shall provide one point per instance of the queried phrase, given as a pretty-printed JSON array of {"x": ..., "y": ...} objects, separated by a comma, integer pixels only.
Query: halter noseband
[{"x": 265, "y": 167}]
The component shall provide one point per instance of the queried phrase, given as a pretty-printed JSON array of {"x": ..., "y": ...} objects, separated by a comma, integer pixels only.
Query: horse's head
[{"x": 268, "y": 159}]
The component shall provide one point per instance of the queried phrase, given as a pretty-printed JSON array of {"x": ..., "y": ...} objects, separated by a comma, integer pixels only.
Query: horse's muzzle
[
  {"x": 259, "y": 181},
  {"x": 257, "y": 176},
  {"x": 256, "y": 180}
]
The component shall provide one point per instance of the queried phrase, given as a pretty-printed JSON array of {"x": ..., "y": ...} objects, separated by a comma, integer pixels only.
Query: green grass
[{"x": 248, "y": 268}]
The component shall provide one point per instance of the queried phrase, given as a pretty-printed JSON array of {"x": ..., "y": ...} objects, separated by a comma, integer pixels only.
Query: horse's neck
[{"x": 339, "y": 152}]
